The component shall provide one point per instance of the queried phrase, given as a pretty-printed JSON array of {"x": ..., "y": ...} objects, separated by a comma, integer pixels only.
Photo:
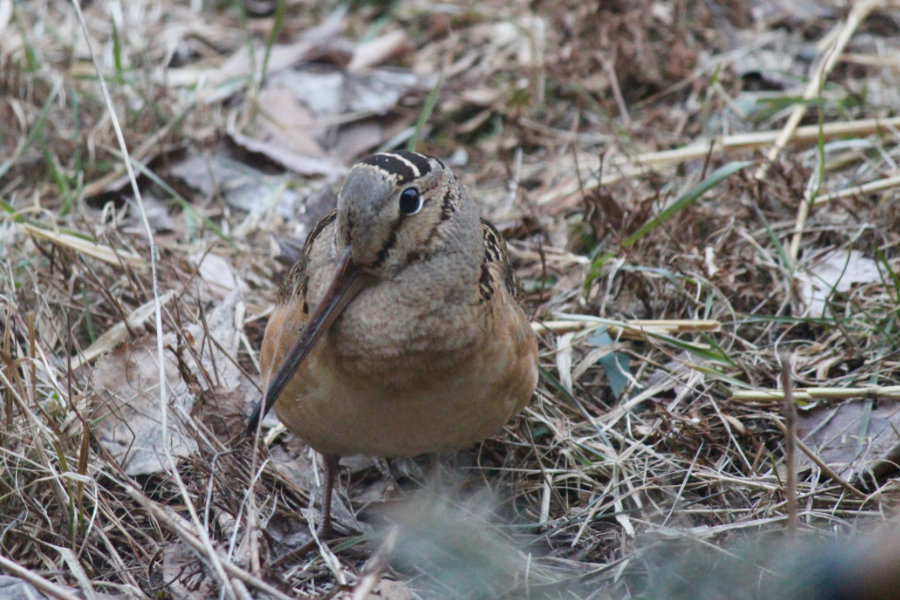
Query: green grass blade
[
  {"x": 117, "y": 52},
  {"x": 685, "y": 200},
  {"x": 277, "y": 23},
  {"x": 36, "y": 130},
  {"x": 427, "y": 109}
]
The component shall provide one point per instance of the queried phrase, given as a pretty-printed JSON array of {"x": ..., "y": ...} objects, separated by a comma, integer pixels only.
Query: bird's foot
[{"x": 324, "y": 533}]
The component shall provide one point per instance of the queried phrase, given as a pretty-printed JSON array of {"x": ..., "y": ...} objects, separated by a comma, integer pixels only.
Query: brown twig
[{"x": 790, "y": 437}]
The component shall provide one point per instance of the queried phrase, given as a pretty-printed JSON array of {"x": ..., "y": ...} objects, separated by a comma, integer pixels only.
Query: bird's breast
[{"x": 407, "y": 318}]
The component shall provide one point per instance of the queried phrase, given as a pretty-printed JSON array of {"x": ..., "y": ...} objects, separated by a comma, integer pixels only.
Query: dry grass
[{"x": 628, "y": 153}]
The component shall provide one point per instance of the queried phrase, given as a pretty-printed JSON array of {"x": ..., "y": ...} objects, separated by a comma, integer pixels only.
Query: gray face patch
[{"x": 362, "y": 198}]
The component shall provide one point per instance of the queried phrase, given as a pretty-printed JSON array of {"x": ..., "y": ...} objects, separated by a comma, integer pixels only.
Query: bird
[{"x": 400, "y": 330}]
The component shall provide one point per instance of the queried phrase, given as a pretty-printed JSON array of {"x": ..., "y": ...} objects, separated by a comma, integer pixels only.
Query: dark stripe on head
[
  {"x": 404, "y": 165},
  {"x": 388, "y": 244},
  {"x": 447, "y": 204},
  {"x": 420, "y": 160}
]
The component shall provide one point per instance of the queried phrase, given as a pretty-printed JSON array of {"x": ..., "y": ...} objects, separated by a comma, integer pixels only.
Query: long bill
[{"x": 347, "y": 283}]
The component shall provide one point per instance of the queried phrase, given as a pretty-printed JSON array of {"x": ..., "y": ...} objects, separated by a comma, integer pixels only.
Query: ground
[{"x": 700, "y": 200}]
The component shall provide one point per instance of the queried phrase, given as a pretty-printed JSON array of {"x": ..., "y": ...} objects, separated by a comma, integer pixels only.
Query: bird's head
[{"x": 398, "y": 208}]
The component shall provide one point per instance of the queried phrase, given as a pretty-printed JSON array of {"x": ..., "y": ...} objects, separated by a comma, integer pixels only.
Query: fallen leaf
[
  {"x": 837, "y": 272},
  {"x": 184, "y": 572},
  {"x": 357, "y": 139},
  {"x": 218, "y": 272},
  {"x": 158, "y": 216},
  {"x": 377, "y": 50},
  {"x": 321, "y": 92},
  {"x": 13, "y": 588},
  {"x": 378, "y": 91},
  {"x": 314, "y": 121},
  {"x": 240, "y": 185},
  {"x": 126, "y": 390},
  {"x": 296, "y": 162},
  {"x": 285, "y": 121},
  {"x": 126, "y": 406},
  {"x": 217, "y": 82},
  {"x": 852, "y": 438}
]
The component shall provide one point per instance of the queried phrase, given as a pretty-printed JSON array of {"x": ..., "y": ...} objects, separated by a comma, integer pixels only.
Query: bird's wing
[{"x": 497, "y": 274}]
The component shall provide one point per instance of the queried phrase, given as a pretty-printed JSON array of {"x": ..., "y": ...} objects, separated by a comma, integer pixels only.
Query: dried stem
[{"x": 790, "y": 437}]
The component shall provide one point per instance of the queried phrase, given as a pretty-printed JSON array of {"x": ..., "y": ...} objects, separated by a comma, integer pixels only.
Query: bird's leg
[
  {"x": 331, "y": 467},
  {"x": 325, "y": 529}
]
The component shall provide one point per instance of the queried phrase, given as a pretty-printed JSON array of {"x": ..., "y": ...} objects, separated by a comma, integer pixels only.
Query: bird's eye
[{"x": 410, "y": 201}]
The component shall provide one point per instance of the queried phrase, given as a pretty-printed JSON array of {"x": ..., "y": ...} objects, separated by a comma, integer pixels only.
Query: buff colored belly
[{"x": 410, "y": 405}]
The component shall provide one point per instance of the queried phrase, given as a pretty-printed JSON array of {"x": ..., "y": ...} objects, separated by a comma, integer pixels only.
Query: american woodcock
[{"x": 399, "y": 331}]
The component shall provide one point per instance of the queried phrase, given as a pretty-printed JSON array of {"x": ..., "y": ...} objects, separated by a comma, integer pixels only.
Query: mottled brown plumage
[{"x": 399, "y": 331}]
